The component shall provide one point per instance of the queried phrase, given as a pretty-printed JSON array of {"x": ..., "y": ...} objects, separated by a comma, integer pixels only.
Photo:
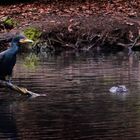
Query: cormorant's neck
[{"x": 14, "y": 47}]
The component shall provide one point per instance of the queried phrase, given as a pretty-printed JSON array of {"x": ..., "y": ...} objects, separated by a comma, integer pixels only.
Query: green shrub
[
  {"x": 32, "y": 33},
  {"x": 9, "y": 22}
]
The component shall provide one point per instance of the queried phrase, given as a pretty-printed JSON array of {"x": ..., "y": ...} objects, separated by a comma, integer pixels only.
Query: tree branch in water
[{"x": 20, "y": 90}]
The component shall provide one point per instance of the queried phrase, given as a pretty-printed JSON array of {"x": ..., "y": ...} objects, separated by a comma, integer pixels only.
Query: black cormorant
[{"x": 8, "y": 57}]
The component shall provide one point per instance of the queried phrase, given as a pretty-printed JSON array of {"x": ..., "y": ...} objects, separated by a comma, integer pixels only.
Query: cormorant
[{"x": 8, "y": 57}]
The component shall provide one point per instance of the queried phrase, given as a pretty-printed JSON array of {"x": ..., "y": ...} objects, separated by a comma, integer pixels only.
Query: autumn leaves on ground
[{"x": 79, "y": 25}]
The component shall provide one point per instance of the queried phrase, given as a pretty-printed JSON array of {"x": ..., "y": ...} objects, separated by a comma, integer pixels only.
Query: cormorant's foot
[{"x": 9, "y": 81}]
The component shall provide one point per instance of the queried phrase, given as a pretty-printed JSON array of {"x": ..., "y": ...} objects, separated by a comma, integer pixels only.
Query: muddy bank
[
  {"x": 80, "y": 25},
  {"x": 93, "y": 33},
  {"x": 102, "y": 32}
]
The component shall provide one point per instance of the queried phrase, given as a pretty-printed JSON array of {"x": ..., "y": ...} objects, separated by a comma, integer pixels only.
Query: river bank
[{"x": 85, "y": 26}]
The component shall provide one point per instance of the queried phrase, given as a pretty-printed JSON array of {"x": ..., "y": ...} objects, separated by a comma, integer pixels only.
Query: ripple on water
[{"x": 73, "y": 101}]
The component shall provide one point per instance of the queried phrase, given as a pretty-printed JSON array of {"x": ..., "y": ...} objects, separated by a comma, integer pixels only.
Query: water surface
[{"x": 78, "y": 105}]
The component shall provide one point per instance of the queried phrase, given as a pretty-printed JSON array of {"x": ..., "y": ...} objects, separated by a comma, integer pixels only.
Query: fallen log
[{"x": 21, "y": 90}]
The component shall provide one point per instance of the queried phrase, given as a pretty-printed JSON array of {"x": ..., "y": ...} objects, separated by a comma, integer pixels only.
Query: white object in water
[{"x": 118, "y": 89}]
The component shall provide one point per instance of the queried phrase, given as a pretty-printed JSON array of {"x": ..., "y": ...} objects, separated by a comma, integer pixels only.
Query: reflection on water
[{"x": 78, "y": 105}]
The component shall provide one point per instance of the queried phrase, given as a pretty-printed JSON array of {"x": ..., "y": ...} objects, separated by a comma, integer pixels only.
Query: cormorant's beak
[{"x": 26, "y": 41}]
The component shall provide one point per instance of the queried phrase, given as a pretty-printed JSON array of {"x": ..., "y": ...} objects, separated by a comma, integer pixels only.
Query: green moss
[
  {"x": 32, "y": 33},
  {"x": 10, "y": 22}
]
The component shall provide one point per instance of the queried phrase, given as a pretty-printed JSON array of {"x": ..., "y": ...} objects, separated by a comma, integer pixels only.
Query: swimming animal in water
[{"x": 118, "y": 89}]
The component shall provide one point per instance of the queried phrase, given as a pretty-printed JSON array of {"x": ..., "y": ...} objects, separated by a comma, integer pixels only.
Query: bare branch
[{"x": 20, "y": 90}]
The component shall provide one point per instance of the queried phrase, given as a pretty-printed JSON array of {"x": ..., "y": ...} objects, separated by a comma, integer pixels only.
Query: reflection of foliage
[
  {"x": 32, "y": 33},
  {"x": 31, "y": 61}
]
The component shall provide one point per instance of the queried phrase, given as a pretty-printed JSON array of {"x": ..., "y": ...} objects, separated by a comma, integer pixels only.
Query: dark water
[{"x": 78, "y": 105}]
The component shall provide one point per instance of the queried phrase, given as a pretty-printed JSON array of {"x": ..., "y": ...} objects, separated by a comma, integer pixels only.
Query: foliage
[
  {"x": 32, "y": 33},
  {"x": 9, "y": 22}
]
